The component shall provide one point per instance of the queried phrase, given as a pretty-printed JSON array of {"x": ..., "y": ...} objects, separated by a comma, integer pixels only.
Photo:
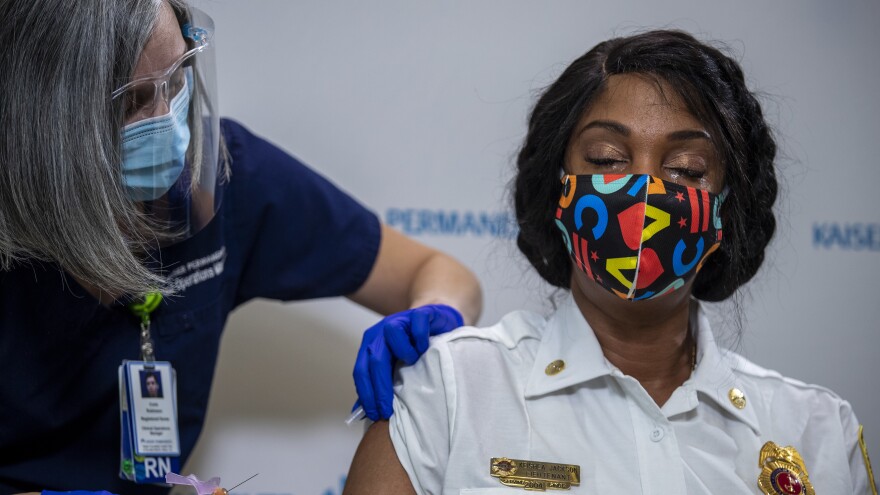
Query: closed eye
[
  {"x": 690, "y": 173},
  {"x": 603, "y": 162}
]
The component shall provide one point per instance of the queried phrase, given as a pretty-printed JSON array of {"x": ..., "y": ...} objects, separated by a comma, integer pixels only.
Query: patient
[{"x": 644, "y": 186}]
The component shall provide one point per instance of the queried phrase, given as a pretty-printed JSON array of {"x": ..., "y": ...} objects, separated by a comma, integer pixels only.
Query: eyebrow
[
  {"x": 688, "y": 134},
  {"x": 618, "y": 128},
  {"x": 612, "y": 126}
]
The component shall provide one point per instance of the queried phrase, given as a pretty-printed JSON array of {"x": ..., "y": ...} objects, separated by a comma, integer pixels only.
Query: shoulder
[
  {"x": 263, "y": 173},
  {"x": 463, "y": 370},
  {"x": 247, "y": 151},
  {"x": 233, "y": 131},
  {"x": 239, "y": 140},
  {"x": 785, "y": 397},
  {"x": 287, "y": 220},
  {"x": 237, "y": 135},
  {"x": 503, "y": 352},
  {"x": 814, "y": 419},
  {"x": 514, "y": 339},
  {"x": 509, "y": 332},
  {"x": 775, "y": 383},
  {"x": 468, "y": 369}
]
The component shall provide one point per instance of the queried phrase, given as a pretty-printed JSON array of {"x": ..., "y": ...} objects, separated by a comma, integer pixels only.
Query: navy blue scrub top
[{"x": 282, "y": 232}]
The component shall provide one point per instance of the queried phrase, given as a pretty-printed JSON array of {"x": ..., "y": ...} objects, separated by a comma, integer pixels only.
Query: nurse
[
  {"x": 133, "y": 220},
  {"x": 645, "y": 186}
]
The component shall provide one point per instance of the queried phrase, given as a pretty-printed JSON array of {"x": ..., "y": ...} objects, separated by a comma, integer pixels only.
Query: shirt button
[{"x": 657, "y": 434}]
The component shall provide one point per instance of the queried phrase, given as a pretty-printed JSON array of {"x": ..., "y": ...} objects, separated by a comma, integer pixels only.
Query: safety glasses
[{"x": 150, "y": 95}]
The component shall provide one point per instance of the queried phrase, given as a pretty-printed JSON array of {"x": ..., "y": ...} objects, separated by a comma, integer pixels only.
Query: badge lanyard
[
  {"x": 142, "y": 310},
  {"x": 150, "y": 442}
]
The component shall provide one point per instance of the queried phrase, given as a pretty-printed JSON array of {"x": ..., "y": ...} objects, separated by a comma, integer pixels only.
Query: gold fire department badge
[{"x": 783, "y": 471}]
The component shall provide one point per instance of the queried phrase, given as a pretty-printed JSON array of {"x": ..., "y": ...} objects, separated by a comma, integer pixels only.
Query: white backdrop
[{"x": 417, "y": 108}]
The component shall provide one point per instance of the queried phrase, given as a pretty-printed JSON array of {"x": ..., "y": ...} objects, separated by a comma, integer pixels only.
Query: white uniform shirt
[{"x": 480, "y": 393}]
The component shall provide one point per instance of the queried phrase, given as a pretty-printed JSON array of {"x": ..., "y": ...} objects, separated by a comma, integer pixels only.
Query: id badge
[{"x": 150, "y": 446}]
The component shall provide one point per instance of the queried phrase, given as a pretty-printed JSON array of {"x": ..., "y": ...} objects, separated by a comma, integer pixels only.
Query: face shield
[{"x": 171, "y": 138}]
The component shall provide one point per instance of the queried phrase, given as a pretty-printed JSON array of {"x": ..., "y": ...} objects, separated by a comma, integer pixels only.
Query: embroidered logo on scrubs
[
  {"x": 198, "y": 270},
  {"x": 783, "y": 471},
  {"x": 535, "y": 475}
]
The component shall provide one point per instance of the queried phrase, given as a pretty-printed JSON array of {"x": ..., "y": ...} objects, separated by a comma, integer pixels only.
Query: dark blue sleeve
[{"x": 296, "y": 235}]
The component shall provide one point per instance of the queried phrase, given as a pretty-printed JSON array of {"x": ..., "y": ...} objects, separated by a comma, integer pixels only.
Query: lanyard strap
[{"x": 142, "y": 309}]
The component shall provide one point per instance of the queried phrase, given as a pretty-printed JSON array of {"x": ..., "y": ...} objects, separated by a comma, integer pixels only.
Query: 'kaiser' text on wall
[{"x": 849, "y": 236}]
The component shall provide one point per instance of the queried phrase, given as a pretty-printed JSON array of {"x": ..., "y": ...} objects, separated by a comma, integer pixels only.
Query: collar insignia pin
[
  {"x": 555, "y": 367},
  {"x": 737, "y": 398}
]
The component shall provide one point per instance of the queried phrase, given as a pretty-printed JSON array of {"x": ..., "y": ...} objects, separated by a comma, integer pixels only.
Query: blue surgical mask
[{"x": 154, "y": 150}]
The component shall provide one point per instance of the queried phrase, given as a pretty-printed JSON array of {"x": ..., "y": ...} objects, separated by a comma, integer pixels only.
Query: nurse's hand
[{"x": 401, "y": 336}]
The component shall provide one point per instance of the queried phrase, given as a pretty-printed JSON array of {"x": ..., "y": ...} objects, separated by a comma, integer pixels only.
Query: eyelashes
[
  {"x": 603, "y": 162},
  {"x": 689, "y": 173}
]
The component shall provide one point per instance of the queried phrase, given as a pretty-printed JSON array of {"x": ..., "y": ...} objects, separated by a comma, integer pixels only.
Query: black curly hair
[{"x": 712, "y": 86}]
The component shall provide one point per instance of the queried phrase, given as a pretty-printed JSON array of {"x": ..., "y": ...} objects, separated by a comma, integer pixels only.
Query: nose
[
  {"x": 646, "y": 161},
  {"x": 646, "y": 167},
  {"x": 161, "y": 108},
  {"x": 161, "y": 105},
  {"x": 161, "y": 100}
]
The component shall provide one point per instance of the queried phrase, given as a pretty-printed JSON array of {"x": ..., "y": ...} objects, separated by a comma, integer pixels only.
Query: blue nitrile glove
[{"x": 401, "y": 336}]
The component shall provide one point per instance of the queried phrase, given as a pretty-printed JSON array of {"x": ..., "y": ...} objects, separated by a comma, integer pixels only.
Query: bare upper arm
[{"x": 375, "y": 467}]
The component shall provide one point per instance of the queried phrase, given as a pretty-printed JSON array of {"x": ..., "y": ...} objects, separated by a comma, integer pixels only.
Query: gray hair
[{"x": 61, "y": 195}]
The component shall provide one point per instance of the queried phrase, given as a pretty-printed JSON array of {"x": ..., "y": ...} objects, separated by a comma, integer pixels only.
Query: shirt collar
[
  {"x": 569, "y": 338},
  {"x": 715, "y": 377}
]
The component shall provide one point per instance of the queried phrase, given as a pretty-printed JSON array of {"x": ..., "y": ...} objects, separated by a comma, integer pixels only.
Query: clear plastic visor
[{"x": 171, "y": 166}]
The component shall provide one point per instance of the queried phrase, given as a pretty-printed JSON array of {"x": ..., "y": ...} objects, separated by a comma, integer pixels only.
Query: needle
[
  {"x": 356, "y": 415},
  {"x": 243, "y": 482}
]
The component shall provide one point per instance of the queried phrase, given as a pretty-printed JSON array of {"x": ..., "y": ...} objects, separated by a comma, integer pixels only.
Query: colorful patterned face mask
[{"x": 637, "y": 236}]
